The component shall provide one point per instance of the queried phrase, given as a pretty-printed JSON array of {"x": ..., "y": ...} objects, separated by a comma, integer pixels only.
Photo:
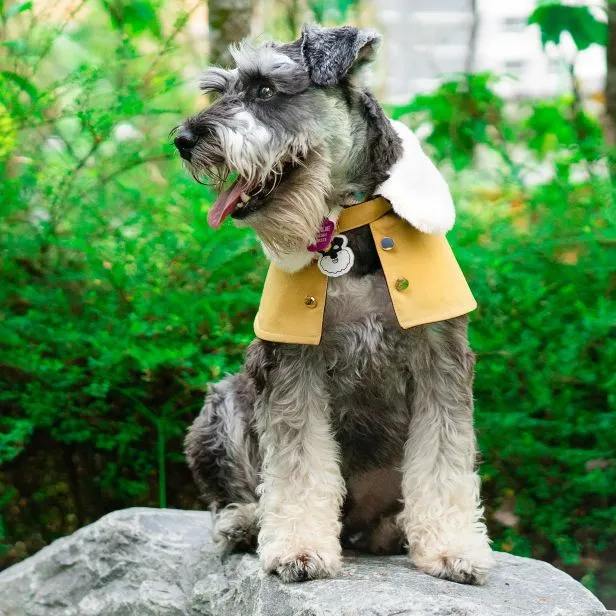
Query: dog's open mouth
[{"x": 244, "y": 198}]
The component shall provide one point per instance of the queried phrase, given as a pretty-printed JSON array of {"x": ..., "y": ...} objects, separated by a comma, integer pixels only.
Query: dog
[{"x": 364, "y": 440}]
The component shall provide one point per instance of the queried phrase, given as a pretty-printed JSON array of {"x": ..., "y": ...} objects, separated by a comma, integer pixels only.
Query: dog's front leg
[
  {"x": 302, "y": 489},
  {"x": 442, "y": 513}
]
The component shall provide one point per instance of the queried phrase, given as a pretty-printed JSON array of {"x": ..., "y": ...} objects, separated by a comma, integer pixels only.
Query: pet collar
[
  {"x": 335, "y": 257},
  {"x": 424, "y": 280}
]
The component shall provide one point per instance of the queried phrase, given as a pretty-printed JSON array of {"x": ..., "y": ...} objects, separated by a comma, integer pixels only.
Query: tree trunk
[
  {"x": 610, "y": 83},
  {"x": 228, "y": 21},
  {"x": 469, "y": 65}
]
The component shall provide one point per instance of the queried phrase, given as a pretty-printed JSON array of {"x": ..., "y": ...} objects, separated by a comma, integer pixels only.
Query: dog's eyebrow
[
  {"x": 260, "y": 62},
  {"x": 217, "y": 79}
]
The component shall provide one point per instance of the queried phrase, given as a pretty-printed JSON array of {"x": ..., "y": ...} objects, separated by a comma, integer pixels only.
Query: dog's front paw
[
  {"x": 465, "y": 567},
  {"x": 301, "y": 565},
  {"x": 306, "y": 565}
]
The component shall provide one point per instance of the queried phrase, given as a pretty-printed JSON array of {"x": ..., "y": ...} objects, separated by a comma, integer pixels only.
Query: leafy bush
[
  {"x": 119, "y": 305},
  {"x": 118, "y": 302}
]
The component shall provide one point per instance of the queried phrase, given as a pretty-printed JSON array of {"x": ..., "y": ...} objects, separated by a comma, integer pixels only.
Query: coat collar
[
  {"x": 416, "y": 190},
  {"x": 424, "y": 284}
]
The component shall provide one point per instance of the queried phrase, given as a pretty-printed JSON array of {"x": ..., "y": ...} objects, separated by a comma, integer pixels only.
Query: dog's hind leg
[
  {"x": 442, "y": 514},
  {"x": 236, "y": 527},
  {"x": 222, "y": 453}
]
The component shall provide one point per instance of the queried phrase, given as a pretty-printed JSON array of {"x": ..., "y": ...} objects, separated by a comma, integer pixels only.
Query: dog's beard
[
  {"x": 260, "y": 157},
  {"x": 292, "y": 216},
  {"x": 281, "y": 192}
]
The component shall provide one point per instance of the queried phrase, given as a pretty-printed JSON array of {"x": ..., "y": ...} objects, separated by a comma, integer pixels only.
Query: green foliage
[
  {"x": 119, "y": 305},
  {"x": 545, "y": 339},
  {"x": 554, "y": 129},
  {"x": 335, "y": 11},
  {"x": 555, "y": 18},
  {"x": 15, "y": 9},
  {"x": 325, "y": 12},
  {"x": 459, "y": 113},
  {"x": 135, "y": 17}
]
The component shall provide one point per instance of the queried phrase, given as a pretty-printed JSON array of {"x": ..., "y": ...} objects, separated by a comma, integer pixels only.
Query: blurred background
[{"x": 118, "y": 305}]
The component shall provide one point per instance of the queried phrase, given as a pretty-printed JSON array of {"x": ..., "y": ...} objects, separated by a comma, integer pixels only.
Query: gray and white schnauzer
[{"x": 365, "y": 440}]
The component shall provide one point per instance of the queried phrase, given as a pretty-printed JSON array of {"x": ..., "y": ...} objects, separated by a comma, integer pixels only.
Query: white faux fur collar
[{"x": 416, "y": 190}]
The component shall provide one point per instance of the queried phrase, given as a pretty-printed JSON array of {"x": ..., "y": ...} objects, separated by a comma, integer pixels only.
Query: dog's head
[{"x": 286, "y": 121}]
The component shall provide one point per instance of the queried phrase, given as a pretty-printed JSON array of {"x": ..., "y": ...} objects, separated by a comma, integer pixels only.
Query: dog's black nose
[{"x": 185, "y": 141}]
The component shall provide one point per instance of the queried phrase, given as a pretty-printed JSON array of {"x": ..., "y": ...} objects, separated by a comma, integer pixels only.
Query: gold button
[
  {"x": 402, "y": 284},
  {"x": 310, "y": 301}
]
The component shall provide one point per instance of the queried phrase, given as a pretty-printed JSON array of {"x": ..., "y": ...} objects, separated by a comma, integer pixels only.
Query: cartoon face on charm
[{"x": 338, "y": 260}]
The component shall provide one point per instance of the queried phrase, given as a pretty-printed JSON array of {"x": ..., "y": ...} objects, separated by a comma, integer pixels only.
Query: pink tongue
[{"x": 225, "y": 204}]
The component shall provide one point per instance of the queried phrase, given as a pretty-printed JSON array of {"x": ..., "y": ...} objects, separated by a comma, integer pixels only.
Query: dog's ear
[{"x": 331, "y": 53}]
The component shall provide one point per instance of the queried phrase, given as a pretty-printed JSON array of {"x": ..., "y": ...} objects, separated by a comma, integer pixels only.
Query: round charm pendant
[{"x": 338, "y": 259}]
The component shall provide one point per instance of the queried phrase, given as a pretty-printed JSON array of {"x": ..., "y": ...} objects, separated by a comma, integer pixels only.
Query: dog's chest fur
[{"x": 366, "y": 354}]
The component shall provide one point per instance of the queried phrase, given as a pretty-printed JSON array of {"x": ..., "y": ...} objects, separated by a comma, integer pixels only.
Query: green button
[{"x": 402, "y": 284}]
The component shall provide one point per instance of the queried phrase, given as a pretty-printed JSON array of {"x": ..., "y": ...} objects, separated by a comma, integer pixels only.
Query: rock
[{"x": 150, "y": 562}]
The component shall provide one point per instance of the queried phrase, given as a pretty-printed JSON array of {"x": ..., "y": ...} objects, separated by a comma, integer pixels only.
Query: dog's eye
[{"x": 265, "y": 92}]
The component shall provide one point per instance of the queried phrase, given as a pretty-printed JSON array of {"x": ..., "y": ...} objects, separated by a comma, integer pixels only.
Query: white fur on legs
[
  {"x": 442, "y": 514},
  {"x": 302, "y": 488}
]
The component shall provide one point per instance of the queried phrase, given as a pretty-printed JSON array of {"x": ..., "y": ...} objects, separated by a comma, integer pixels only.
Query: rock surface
[{"x": 149, "y": 562}]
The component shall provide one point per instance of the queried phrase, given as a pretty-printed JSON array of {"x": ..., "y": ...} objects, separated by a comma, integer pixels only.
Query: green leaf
[
  {"x": 554, "y": 19},
  {"x": 134, "y": 17},
  {"x": 14, "y": 434},
  {"x": 326, "y": 10},
  {"x": 398, "y": 111},
  {"x": 18, "y": 7},
  {"x": 21, "y": 82},
  {"x": 141, "y": 16},
  {"x": 17, "y": 46}
]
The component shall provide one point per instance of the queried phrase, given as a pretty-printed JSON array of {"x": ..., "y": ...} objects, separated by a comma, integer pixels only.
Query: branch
[
  {"x": 472, "y": 41},
  {"x": 167, "y": 44},
  {"x": 132, "y": 165},
  {"x": 51, "y": 40}
]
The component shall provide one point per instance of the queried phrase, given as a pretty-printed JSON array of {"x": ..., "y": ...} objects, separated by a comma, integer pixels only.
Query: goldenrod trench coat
[{"x": 424, "y": 279}]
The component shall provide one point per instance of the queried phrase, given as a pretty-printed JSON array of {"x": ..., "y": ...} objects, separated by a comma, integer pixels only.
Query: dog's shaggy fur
[{"x": 366, "y": 439}]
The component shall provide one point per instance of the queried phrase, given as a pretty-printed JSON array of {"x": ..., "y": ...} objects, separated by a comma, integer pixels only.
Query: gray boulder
[{"x": 150, "y": 562}]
